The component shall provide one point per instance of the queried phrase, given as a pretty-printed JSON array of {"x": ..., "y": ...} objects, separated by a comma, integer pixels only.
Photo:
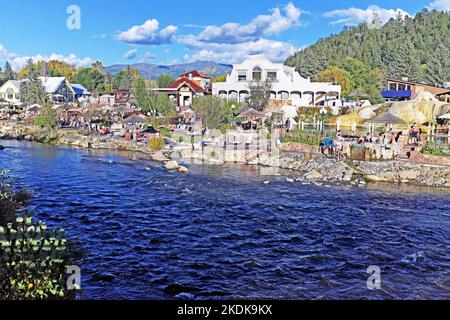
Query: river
[{"x": 220, "y": 232}]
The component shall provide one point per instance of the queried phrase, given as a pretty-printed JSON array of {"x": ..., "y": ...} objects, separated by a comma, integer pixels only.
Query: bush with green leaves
[
  {"x": 32, "y": 258},
  {"x": 32, "y": 261},
  {"x": 436, "y": 151}
]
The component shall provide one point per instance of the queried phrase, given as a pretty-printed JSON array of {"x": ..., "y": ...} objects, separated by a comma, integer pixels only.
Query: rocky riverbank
[
  {"x": 304, "y": 166},
  {"x": 316, "y": 168}
]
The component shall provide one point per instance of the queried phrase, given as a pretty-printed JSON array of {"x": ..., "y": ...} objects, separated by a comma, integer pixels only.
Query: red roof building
[{"x": 186, "y": 88}]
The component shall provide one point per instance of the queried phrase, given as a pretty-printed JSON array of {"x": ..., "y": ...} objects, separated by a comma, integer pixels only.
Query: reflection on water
[{"x": 219, "y": 232}]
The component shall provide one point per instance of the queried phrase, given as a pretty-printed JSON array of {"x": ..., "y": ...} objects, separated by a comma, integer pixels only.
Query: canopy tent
[
  {"x": 134, "y": 119},
  {"x": 252, "y": 113},
  {"x": 123, "y": 109},
  {"x": 34, "y": 108},
  {"x": 387, "y": 118}
]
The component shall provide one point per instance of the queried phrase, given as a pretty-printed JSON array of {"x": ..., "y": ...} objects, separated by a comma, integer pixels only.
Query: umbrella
[
  {"x": 123, "y": 109},
  {"x": 445, "y": 116},
  {"x": 34, "y": 108},
  {"x": 388, "y": 118},
  {"x": 134, "y": 119},
  {"x": 252, "y": 113}
]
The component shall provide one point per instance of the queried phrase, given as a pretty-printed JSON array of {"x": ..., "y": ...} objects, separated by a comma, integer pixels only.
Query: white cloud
[
  {"x": 18, "y": 62},
  {"x": 130, "y": 54},
  {"x": 275, "y": 51},
  {"x": 149, "y": 34},
  {"x": 147, "y": 57},
  {"x": 263, "y": 25},
  {"x": 354, "y": 16},
  {"x": 441, "y": 5}
]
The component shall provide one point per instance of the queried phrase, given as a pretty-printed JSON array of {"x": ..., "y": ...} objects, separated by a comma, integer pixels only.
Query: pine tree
[
  {"x": 9, "y": 72},
  {"x": 438, "y": 67}
]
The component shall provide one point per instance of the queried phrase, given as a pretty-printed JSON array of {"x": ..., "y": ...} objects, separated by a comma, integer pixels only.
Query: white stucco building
[
  {"x": 287, "y": 84},
  {"x": 10, "y": 93}
]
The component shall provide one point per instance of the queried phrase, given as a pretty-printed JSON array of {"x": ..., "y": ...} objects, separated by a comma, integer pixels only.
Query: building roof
[
  {"x": 418, "y": 84},
  {"x": 191, "y": 84},
  {"x": 79, "y": 89},
  {"x": 16, "y": 83},
  {"x": 52, "y": 84},
  {"x": 195, "y": 74}
]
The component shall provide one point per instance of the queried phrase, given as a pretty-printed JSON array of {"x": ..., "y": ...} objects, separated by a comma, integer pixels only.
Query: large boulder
[
  {"x": 159, "y": 157},
  {"x": 171, "y": 165},
  {"x": 182, "y": 169},
  {"x": 314, "y": 175}
]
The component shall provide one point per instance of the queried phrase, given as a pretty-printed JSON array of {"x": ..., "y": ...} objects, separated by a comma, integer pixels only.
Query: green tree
[
  {"x": 438, "y": 69},
  {"x": 259, "y": 95},
  {"x": 164, "y": 80},
  {"x": 92, "y": 79},
  {"x": 8, "y": 72},
  {"x": 210, "y": 109},
  {"x": 142, "y": 94},
  {"x": 124, "y": 79},
  {"x": 338, "y": 76}
]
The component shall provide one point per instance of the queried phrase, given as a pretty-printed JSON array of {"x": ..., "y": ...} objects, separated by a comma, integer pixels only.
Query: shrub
[
  {"x": 32, "y": 258},
  {"x": 436, "y": 151},
  {"x": 224, "y": 128},
  {"x": 166, "y": 133},
  {"x": 180, "y": 139},
  {"x": 39, "y": 121},
  {"x": 156, "y": 144},
  {"x": 32, "y": 261}
]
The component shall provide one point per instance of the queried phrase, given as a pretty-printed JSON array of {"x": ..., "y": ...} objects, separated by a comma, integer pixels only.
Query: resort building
[
  {"x": 124, "y": 98},
  {"x": 10, "y": 93},
  {"x": 58, "y": 88},
  {"x": 398, "y": 90},
  {"x": 186, "y": 88},
  {"x": 286, "y": 83},
  {"x": 80, "y": 91}
]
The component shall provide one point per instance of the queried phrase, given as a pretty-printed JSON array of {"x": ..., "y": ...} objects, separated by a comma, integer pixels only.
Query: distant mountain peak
[{"x": 153, "y": 71}]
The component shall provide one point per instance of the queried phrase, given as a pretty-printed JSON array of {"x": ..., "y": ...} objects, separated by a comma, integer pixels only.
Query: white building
[
  {"x": 10, "y": 93},
  {"x": 287, "y": 84}
]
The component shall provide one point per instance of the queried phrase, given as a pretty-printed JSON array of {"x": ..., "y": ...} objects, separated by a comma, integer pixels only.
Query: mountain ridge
[{"x": 153, "y": 71}]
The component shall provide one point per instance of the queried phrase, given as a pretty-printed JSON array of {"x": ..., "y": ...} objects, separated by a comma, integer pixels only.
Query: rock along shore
[{"x": 304, "y": 166}]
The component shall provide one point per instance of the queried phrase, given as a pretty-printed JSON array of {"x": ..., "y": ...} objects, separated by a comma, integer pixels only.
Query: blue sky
[{"x": 175, "y": 31}]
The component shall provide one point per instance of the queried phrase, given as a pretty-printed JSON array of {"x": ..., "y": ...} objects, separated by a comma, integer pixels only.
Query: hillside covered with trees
[{"x": 417, "y": 48}]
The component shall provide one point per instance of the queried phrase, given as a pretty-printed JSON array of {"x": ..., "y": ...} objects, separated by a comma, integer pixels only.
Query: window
[
  {"x": 17, "y": 96},
  {"x": 272, "y": 75},
  {"x": 242, "y": 76},
  {"x": 10, "y": 93},
  {"x": 393, "y": 86},
  {"x": 257, "y": 72}
]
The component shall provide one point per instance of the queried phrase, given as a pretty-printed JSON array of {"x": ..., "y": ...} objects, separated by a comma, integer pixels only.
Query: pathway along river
[{"x": 221, "y": 233}]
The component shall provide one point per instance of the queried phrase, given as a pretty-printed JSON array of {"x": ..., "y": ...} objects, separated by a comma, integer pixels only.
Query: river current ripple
[{"x": 219, "y": 232}]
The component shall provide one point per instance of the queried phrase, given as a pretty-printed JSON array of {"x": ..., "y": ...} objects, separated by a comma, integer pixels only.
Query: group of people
[{"x": 415, "y": 134}]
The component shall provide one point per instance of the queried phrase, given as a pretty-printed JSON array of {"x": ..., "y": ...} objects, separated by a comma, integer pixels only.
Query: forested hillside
[{"x": 417, "y": 48}]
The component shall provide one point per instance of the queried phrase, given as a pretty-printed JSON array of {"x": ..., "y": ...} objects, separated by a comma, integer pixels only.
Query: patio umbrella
[
  {"x": 35, "y": 108},
  {"x": 252, "y": 113},
  {"x": 388, "y": 118},
  {"x": 134, "y": 119}
]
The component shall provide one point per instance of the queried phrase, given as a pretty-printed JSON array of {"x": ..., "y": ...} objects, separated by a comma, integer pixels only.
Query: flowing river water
[{"x": 220, "y": 232}]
